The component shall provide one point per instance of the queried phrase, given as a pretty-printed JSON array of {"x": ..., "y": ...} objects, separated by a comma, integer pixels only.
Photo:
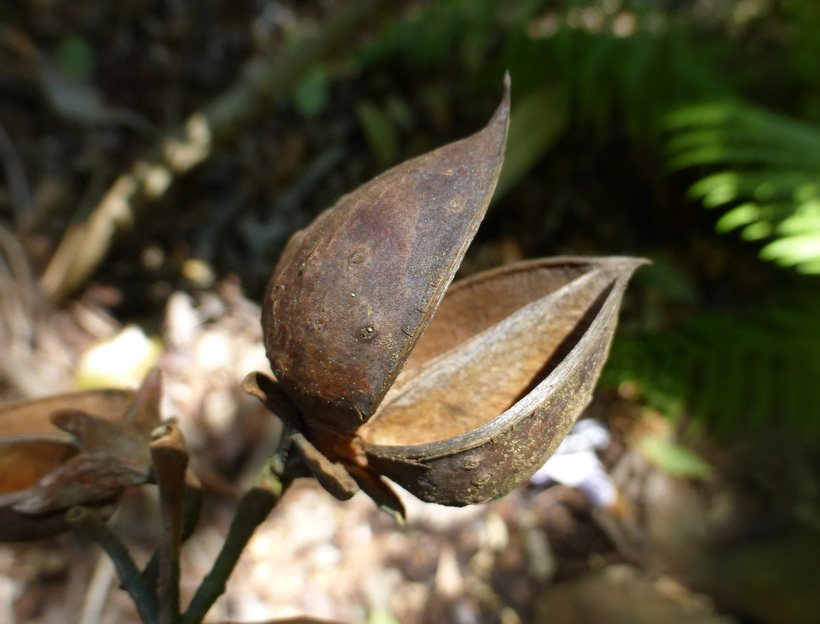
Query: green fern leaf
[
  {"x": 728, "y": 372},
  {"x": 770, "y": 178}
]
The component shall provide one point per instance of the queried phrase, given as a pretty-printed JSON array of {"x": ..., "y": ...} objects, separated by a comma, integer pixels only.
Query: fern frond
[
  {"x": 729, "y": 186},
  {"x": 770, "y": 178},
  {"x": 730, "y": 373}
]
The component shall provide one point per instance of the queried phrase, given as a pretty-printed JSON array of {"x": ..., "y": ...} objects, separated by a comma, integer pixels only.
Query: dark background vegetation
[{"x": 685, "y": 131}]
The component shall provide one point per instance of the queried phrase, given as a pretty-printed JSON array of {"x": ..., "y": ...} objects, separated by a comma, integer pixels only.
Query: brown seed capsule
[
  {"x": 507, "y": 365},
  {"x": 73, "y": 449},
  {"x": 31, "y": 447},
  {"x": 353, "y": 292},
  {"x": 500, "y": 374}
]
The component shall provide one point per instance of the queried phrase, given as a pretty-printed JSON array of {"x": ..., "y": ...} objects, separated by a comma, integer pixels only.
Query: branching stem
[
  {"x": 251, "y": 511},
  {"x": 87, "y": 522}
]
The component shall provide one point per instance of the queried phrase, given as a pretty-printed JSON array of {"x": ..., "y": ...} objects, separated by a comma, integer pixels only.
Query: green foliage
[
  {"x": 674, "y": 459},
  {"x": 582, "y": 66},
  {"x": 380, "y": 132},
  {"x": 312, "y": 95},
  {"x": 628, "y": 70},
  {"x": 620, "y": 63},
  {"x": 75, "y": 57},
  {"x": 455, "y": 29},
  {"x": 731, "y": 373},
  {"x": 629, "y": 67},
  {"x": 535, "y": 125},
  {"x": 804, "y": 18},
  {"x": 768, "y": 178}
]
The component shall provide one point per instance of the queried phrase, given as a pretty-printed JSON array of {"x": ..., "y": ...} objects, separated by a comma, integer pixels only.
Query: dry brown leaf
[{"x": 501, "y": 379}]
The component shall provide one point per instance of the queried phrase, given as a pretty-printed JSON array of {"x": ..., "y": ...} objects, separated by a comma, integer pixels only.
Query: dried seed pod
[
  {"x": 31, "y": 447},
  {"x": 353, "y": 292},
  {"x": 507, "y": 365},
  {"x": 74, "y": 449},
  {"x": 32, "y": 416},
  {"x": 471, "y": 409}
]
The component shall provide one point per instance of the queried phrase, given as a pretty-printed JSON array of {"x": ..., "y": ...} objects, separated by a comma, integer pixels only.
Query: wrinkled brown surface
[
  {"x": 352, "y": 294},
  {"x": 114, "y": 454},
  {"x": 479, "y": 420}
]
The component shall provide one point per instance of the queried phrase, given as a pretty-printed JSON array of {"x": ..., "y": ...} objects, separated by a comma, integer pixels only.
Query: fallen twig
[{"x": 85, "y": 244}]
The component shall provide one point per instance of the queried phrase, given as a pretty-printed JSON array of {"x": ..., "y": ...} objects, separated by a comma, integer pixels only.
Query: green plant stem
[
  {"x": 251, "y": 511},
  {"x": 86, "y": 522}
]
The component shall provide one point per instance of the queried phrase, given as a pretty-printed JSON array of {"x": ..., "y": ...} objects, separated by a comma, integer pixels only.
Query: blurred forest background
[{"x": 156, "y": 156}]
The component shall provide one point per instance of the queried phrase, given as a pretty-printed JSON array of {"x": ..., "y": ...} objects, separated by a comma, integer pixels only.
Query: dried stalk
[
  {"x": 84, "y": 245},
  {"x": 192, "y": 505},
  {"x": 170, "y": 458}
]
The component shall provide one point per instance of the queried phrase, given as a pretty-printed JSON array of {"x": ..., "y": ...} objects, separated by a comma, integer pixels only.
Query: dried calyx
[{"x": 458, "y": 412}]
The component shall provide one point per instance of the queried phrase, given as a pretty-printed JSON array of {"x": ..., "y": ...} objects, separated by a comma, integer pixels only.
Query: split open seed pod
[
  {"x": 352, "y": 293},
  {"x": 489, "y": 388},
  {"x": 498, "y": 379},
  {"x": 32, "y": 446},
  {"x": 73, "y": 449}
]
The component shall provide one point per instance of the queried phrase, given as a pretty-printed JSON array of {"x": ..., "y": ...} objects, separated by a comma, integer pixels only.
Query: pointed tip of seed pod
[
  {"x": 394, "y": 244},
  {"x": 153, "y": 378},
  {"x": 502, "y": 113},
  {"x": 625, "y": 265},
  {"x": 496, "y": 129}
]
